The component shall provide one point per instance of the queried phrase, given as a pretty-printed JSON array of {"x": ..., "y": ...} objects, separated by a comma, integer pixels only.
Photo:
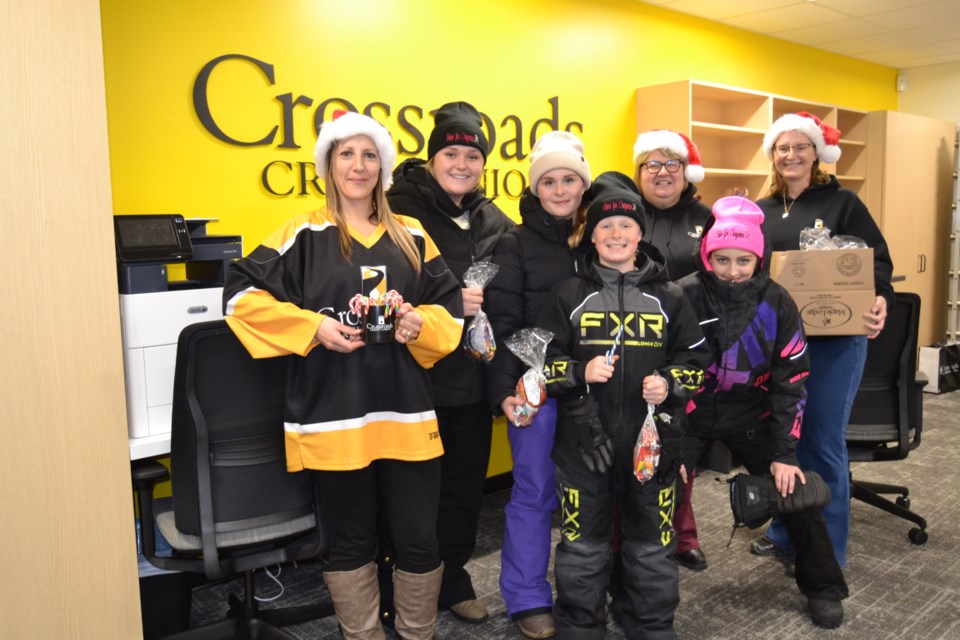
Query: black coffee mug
[{"x": 379, "y": 324}]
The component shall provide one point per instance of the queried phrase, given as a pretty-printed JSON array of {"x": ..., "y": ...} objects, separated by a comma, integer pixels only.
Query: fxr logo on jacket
[{"x": 639, "y": 329}]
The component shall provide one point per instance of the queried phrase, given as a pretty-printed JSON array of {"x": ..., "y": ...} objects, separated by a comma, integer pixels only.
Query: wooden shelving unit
[
  {"x": 728, "y": 125},
  {"x": 899, "y": 164}
]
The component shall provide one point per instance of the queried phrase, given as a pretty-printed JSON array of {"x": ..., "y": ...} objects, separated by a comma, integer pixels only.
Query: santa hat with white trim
[
  {"x": 824, "y": 137},
  {"x": 677, "y": 144},
  {"x": 346, "y": 124}
]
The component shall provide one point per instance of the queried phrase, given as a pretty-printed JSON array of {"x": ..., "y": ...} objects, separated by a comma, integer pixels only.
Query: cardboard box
[{"x": 833, "y": 288}]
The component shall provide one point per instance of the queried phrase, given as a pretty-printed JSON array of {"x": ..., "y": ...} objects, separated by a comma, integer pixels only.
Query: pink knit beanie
[{"x": 736, "y": 226}]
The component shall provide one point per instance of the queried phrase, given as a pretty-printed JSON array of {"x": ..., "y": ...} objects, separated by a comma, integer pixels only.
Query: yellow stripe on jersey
[
  {"x": 370, "y": 240},
  {"x": 416, "y": 229},
  {"x": 269, "y": 328},
  {"x": 358, "y": 442},
  {"x": 283, "y": 238},
  {"x": 439, "y": 335}
]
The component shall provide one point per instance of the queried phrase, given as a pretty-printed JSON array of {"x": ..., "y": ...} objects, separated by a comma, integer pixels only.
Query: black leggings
[
  {"x": 407, "y": 493},
  {"x": 818, "y": 575}
]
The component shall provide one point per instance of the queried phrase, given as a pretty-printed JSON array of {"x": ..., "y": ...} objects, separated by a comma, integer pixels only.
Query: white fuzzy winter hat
[
  {"x": 558, "y": 150},
  {"x": 824, "y": 137},
  {"x": 346, "y": 124},
  {"x": 677, "y": 144}
]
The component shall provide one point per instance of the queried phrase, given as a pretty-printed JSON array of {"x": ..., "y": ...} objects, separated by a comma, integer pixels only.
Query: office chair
[
  {"x": 887, "y": 417},
  {"x": 235, "y": 507}
]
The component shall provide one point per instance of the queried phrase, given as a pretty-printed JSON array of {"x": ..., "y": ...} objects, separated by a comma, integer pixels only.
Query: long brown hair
[
  {"x": 381, "y": 214},
  {"x": 579, "y": 224},
  {"x": 817, "y": 176}
]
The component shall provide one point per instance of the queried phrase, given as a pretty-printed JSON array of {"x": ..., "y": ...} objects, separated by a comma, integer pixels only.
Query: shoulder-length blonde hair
[{"x": 381, "y": 214}]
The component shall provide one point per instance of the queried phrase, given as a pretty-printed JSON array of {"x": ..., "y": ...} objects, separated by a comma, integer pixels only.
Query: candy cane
[
  {"x": 358, "y": 303},
  {"x": 393, "y": 299}
]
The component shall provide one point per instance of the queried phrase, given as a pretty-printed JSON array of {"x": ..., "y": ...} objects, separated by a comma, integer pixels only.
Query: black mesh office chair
[
  {"x": 887, "y": 417},
  {"x": 235, "y": 507}
]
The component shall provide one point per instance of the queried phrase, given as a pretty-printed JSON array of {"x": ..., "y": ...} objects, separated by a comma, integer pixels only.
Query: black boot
[{"x": 826, "y": 613}]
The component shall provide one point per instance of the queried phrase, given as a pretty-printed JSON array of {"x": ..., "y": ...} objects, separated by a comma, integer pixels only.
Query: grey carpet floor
[{"x": 897, "y": 589}]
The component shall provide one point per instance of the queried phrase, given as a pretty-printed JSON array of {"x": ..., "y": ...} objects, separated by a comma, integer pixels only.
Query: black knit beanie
[
  {"x": 612, "y": 194},
  {"x": 457, "y": 123}
]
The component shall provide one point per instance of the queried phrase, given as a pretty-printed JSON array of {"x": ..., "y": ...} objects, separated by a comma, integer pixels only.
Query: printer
[{"x": 154, "y": 308}]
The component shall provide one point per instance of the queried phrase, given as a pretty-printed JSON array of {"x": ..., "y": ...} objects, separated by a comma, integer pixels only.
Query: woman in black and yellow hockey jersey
[{"x": 358, "y": 415}]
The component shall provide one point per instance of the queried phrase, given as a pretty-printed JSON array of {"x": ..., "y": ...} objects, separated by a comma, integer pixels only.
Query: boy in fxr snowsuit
[
  {"x": 753, "y": 393},
  {"x": 603, "y": 399}
]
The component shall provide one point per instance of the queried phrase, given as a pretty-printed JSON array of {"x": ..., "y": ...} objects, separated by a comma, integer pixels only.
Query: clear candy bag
[
  {"x": 646, "y": 452},
  {"x": 530, "y": 345},
  {"x": 813, "y": 238},
  {"x": 479, "y": 342}
]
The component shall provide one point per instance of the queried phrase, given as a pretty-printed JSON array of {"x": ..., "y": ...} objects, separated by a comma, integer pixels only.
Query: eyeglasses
[
  {"x": 654, "y": 166},
  {"x": 784, "y": 149}
]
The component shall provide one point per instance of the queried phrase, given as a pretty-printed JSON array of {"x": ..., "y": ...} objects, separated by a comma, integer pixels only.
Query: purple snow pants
[{"x": 526, "y": 535}]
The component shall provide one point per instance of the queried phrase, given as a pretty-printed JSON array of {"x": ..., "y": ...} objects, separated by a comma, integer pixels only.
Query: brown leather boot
[
  {"x": 356, "y": 599},
  {"x": 415, "y": 596}
]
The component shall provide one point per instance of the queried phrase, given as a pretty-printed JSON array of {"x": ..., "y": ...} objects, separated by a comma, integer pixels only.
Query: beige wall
[
  {"x": 68, "y": 558},
  {"x": 932, "y": 91}
]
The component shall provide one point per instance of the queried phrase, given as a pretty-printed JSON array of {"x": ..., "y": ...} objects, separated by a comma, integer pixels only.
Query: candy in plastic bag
[
  {"x": 530, "y": 345},
  {"x": 646, "y": 452},
  {"x": 479, "y": 274},
  {"x": 479, "y": 342},
  {"x": 819, "y": 238},
  {"x": 532, "y": 390}
]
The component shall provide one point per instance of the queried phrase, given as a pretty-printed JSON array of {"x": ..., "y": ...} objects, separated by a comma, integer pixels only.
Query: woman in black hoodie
[
  {"x": 443, "y": 194},
  {"x": 667, "y": 169},
  {"x": 803, "y": 195}
]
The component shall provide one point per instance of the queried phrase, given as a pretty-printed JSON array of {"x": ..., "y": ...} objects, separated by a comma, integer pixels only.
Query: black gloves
[
  {"x": 755, "y": 499},
  {"x": 671, "y": 450},
  {"x": 583, "y": 420}
]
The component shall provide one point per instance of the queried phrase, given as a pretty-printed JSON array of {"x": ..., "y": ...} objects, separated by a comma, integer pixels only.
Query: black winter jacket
[
  {"x": 675, "y": 231},
  {"x": 831, "y": 206},
  {"x": 661, "y": 334},
  {"x": 458, "y": 379},
  {"x": 532, "y": 257},
  {"x": 759, "y": 360}
]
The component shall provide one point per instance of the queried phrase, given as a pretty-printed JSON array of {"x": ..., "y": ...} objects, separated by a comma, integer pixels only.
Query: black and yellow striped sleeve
[
  {"x": 440, "y": 302},
  {"x": 261, "y": 304}
]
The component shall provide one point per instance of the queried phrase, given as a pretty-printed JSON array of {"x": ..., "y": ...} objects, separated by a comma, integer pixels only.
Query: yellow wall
[{"x": 508, "y": 58}]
